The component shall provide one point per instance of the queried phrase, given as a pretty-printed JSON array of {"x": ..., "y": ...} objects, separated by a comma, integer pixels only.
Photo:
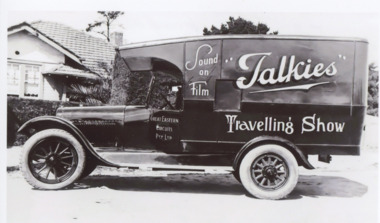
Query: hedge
[
  {"x": 131, "y": 88},
  {"x": 21, "y": 110},
  {"x": 120, "y": 81}
]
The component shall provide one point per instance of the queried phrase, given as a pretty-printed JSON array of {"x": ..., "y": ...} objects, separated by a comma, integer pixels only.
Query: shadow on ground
[
  {"x": 328, "y": 186},
  {"x": 309, "y": 186}
]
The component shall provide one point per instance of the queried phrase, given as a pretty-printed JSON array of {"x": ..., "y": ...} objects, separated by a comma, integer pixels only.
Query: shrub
[
  {"x": 131, "y": 88},
  {"x": 21, "y": 110},
  {"x": 373, "y": 90},
  {"x": 120, "y": 82}
]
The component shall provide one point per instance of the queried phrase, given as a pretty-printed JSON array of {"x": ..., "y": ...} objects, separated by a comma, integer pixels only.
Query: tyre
[
  {"x": 91, "y": 165},
  {"x": 269, "y": 172},
  {"x": 52, "y": 159},
  {"x": 236, "y": 175}
]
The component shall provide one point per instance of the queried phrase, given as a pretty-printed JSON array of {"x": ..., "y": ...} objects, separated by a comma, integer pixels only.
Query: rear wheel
[
  {"x": 269, "y": 172},
  {"x": 52, "y": 159}
]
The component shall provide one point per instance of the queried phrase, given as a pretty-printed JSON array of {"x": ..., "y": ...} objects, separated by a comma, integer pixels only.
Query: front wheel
[
  {"x": 269, "y": 172},
  {"x": 52, "y": 159}
]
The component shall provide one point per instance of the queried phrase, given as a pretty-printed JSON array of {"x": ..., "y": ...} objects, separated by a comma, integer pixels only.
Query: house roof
[
  {"x": 64, "y": 70},
  {"x": 93, "y": 53}
]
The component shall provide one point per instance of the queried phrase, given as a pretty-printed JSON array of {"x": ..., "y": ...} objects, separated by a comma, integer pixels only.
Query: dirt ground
[{"x": 346, "y": 190}]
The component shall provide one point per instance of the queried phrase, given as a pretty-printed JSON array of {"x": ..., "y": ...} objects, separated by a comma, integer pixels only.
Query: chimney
[{"x": 116, "y": 38}]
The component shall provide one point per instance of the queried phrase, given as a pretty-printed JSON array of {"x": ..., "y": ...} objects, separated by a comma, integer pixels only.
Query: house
[{"x": 46, "y": 58}]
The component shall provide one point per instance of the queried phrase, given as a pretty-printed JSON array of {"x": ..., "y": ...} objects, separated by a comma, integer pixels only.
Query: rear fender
[
  {"x": 297, "y": 153},
  {"x": 46, "y": 122}
]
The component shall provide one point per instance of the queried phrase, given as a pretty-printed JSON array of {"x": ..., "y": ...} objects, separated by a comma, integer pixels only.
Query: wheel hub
[
  {"x": 270, "y": 172},
  {"x": 51, "y": 160}
]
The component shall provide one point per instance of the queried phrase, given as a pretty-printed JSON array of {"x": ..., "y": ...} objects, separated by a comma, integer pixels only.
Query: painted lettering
[
  {"x": 267, "y": 76},
  {"x": 163, "y": 137},
  {"x": 199, "y": 88},
  {"x": 269, "y": 124},
  {"x": 164, "y": 128},
  {"x": 230, "y": 122},
  {"x": 204, "y": 72},
  {"x": 314, "y": 124},
  {"x": 164, "y": 119},
  {"x": 202, "y": 62},
  {"x": 308, "y": 124}
]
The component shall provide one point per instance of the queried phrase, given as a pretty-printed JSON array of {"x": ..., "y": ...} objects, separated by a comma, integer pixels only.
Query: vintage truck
[{"x": 254, "y": 105}]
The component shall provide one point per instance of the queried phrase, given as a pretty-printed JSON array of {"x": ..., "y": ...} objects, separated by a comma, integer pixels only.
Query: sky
[{"x": 140, "y": 26}]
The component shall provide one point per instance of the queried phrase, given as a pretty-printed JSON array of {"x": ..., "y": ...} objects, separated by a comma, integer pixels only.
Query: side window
[
  {"x": 227, "y": 96},
  {"x": 176, "y": 97},
  {"x": 173, "y": 99}
]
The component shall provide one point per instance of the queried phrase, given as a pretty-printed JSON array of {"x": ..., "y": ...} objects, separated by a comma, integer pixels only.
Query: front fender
[
  {"x": 297, "y": 153},
  {"x": 47, "y": 122}
]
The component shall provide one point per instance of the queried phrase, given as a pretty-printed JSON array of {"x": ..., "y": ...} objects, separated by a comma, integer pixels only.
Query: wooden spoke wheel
[
  {"x": 52, "y": 159},
  {"x": 269, "y": 172}
]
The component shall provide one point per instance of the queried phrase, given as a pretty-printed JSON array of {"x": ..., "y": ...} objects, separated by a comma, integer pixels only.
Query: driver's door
[{"x": 164, "y": 130}]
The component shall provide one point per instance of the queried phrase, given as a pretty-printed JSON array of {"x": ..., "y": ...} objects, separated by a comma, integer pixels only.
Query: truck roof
[{"x": 245, "y": 36}]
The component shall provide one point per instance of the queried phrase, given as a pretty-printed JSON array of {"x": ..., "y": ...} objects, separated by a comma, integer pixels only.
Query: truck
[{"x": 254, "y": 105}]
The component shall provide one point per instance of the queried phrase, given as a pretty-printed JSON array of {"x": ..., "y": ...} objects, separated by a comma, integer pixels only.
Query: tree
[
  {"x": 373, "y": 90},
  {"x": 239, "y": 26},
  {"x": 97, "y": 93},
  {"x": 109, "y": 18}
]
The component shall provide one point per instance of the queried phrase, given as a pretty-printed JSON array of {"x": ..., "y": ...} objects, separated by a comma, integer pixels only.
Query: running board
[{"x": 163, "y": 161}]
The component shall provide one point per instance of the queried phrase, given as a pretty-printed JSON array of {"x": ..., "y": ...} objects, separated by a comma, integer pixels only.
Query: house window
[
  {"x": 24, "y": 80},
  {"x": 13, "y": 78},
  {"x": 32, "y": 80}
]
